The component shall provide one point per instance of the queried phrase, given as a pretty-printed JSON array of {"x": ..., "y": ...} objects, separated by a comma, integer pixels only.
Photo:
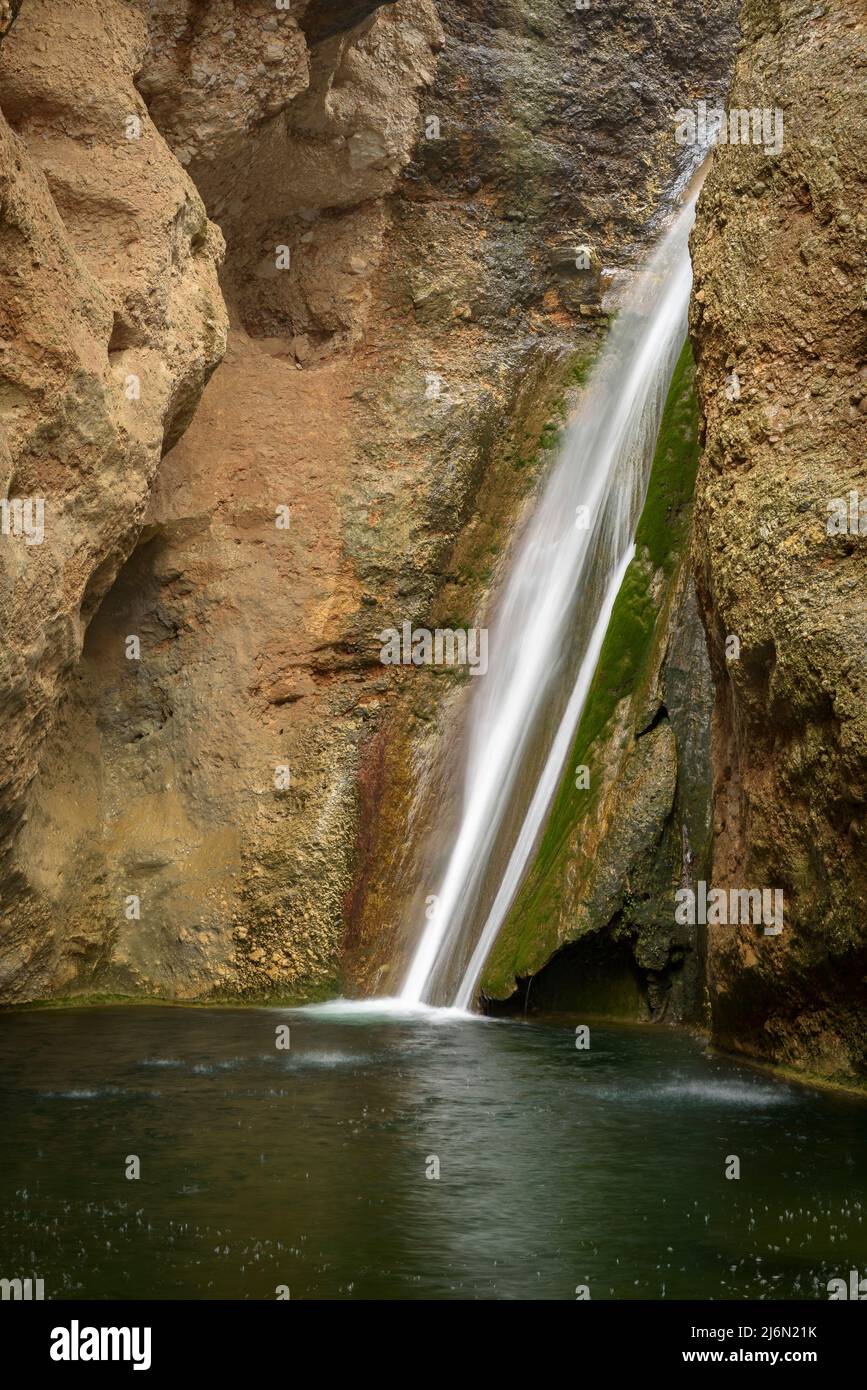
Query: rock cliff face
[
  {"x": 210, "y": 785},
  {"x": 778, "y": 328},
  {"x": 401, "y": 188},
  {"x": 597, "y": 122},
  {"x": 112, "y": 321}
]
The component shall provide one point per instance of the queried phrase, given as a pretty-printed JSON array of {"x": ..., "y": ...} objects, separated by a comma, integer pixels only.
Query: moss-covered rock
[{"x": 613, "y": 853}]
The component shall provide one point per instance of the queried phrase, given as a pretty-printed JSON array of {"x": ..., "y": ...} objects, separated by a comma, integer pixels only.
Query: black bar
[{"x": 227, "y": 1338}]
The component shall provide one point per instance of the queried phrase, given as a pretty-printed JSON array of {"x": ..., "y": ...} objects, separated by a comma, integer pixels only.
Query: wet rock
[{"x": 362, "y": 185}]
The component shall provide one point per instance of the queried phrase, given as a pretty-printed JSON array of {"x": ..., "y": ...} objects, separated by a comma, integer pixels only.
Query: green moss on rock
[{"x": 555, "y": 903}]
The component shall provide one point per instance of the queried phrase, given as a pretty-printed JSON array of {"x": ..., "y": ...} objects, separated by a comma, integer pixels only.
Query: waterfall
[{"x": 548, "y": 625}]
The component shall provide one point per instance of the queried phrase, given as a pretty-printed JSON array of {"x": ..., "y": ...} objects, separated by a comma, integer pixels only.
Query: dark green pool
[{"x": 307, "y": 1168}]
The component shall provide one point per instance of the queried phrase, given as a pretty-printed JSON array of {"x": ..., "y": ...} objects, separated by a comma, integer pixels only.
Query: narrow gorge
[{"x": 433, "y": 574}]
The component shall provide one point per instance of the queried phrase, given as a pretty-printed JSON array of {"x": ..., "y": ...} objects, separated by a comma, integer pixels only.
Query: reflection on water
[{"x": 307, "y": 1168}]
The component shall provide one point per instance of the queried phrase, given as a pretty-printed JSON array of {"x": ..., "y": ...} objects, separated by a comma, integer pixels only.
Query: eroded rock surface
[
  {"x": 112, "y": 320},
  {"x": 608, "y": 175},
  {"x": 399, "y": 186},
  {"x": 778, "y": 325}
]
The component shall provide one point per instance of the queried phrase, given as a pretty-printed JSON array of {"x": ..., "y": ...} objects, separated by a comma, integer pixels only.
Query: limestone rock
[
  {"x": 779, "y": 254},
  {"x": 387, "y": 192},
  {"x": 112, "y": 321}
]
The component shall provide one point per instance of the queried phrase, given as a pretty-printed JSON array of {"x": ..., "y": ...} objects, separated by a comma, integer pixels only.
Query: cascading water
[{"x": 549, "y": 624}]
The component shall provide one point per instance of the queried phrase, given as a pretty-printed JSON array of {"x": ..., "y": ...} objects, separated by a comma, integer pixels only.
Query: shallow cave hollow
[{"x": 595, "y": 976}]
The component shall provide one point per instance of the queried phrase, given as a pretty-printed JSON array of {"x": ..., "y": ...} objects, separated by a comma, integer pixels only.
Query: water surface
[{"x": 307, "y": 1168}]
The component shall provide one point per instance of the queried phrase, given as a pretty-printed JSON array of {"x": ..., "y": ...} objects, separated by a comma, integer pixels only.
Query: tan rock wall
[
  {"x": 420, "y": 250},
  {"x": 778, "y": 326},
  {"x": 112, "y": 320}
]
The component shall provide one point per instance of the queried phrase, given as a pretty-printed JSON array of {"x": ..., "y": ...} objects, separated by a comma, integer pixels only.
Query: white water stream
[{"x": 563, "y": 579}]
